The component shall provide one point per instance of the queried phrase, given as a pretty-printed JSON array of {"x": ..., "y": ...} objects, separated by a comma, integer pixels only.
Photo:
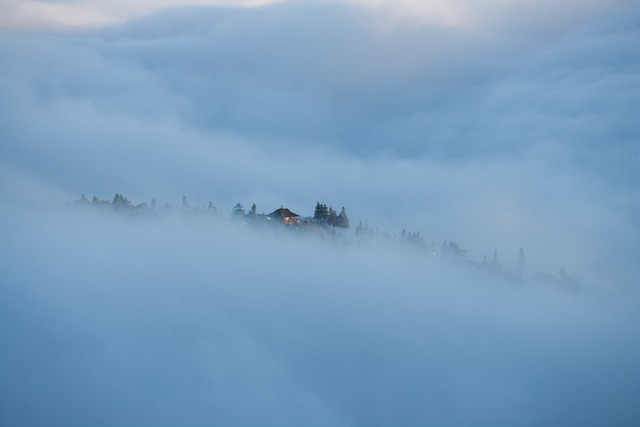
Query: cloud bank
[
  {"x": 511, "y": 126},
  {"x": 497, "y": 138},
  {"x": 136, "y": 321}
]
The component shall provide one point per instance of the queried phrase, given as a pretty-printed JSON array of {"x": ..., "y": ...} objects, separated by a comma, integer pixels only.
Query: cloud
[
  {"x": 485, "y": 141},
  {"x": 489, "y": 131},
  {"x": 43, "y": 14},
  {"x": 114, "y": 320}
]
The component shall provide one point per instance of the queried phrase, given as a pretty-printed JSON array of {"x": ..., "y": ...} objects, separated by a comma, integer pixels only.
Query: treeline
[
  {"x": 451, "y": 250},
  {"x": 327, "y": 215},
  {"x": 326, "y": 220},
  {"x": 123, "y": 204}
]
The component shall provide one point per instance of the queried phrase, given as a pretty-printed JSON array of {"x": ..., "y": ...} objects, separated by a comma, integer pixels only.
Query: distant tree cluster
[
  {"x": 238, "y": 211},
  {"x": 569, "y": 281},
  {"x": 363, "y": 230},
  {"x": 123, "y": 204},
  {"x": 411, "y": 238},
  {"x": 327, "y": 215},
  {"x": 452, "y": 248}
]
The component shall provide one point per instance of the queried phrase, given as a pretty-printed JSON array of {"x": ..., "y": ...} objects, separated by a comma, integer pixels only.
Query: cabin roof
[{"x": 282, "y": 213}]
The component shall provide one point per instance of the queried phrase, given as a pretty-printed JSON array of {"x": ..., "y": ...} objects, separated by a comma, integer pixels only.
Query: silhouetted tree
[
  {"x": 568, "y": 281},
  {"x": 343, "y": 219},
  {"x": 363, "y": 229},
  {"x": 238, "y": 211},
  {"x": 332, "y": 217},
  {"x": 121, "y": 202},
  {"x": 317, "y": 213},
  {"x": 521, "y": 265},
  {"x": 453, "y": 249},
  {"x": 321, "y": 213},
  {"x": 495, "y": 264},
  {"x": 485, "y": 263},
  {"x": 82, "y": 200}
]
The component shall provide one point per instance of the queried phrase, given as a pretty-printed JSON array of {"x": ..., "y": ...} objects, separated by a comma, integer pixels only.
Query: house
[{"x": 284, "y": 215}]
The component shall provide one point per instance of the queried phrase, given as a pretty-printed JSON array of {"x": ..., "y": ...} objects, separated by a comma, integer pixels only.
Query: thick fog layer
[
  {"x": 494, "y": 134},
  {"x": 510, "y": 126},
  {"x": 112, "y": 320}
]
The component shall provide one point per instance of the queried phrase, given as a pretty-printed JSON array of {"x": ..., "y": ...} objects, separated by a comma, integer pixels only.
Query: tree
[
  {"x": 253, "y": 209},
  {"x": 521, "y": 265},
  {"x": 495, "y": 264},
  {"x": 185, "y": 202},
  {"x": 564, "y": 277},
  {"x": 238, "y": 211},
  {"x": 343, "y": 220},
  {"x": 332, "y": 217},
  {"x": 121, "y": 202},
  {"x": 82, "y": 200},
  {"x": 568, "y": 281},
  {"x": 322, "y": 213},
  {"x": 317, "y": 213}
]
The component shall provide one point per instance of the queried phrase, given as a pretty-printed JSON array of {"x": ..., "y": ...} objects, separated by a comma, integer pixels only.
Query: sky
[{"x": 495, "y": 123}]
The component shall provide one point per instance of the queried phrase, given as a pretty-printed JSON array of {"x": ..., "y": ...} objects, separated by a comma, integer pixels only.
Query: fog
[
  {"x": 108, "y": 319},
  {"x": 506, "y": 127}
]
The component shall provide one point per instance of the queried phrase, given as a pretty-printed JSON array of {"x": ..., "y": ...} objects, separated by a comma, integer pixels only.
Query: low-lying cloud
[
  {"x": 495, "y": 135},
  {"x": 108, "y": 319}
]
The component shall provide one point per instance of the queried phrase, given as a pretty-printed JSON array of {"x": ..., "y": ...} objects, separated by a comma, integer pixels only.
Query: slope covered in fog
[
  {"x": 115, "y": 320},
  {"x": 498, "y": 127}
]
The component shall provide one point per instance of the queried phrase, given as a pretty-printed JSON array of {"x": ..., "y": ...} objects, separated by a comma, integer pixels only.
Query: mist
[
  {"x": 109, "y": 319},
  {"x": 510, "y": 127}
]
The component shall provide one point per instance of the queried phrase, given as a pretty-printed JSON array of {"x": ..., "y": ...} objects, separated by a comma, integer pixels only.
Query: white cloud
[
  {"x": 109, "y": 320},
  {"x": 403, "y": 131},
  {"x": 517, "y": 137},
  {"x": 461, "y": 14},
  {"x": 482, "y": 16},
  {"x": 34, "y": 14}
]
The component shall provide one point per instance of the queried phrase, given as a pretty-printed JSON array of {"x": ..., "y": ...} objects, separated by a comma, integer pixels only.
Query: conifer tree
[
  {"x": 521, "y": 266},
  {"x": 238, "y": 210},
  {"x": 343, "y": 219},
  {"x": 317, "y": 213},
  {"x": 119, "y": 202},
  {"x": 325, "y": 213},
  {"x": 495, "y": 264},
  {"x": 332, "y": 217},
  {"x": 82, "y": 200}
]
